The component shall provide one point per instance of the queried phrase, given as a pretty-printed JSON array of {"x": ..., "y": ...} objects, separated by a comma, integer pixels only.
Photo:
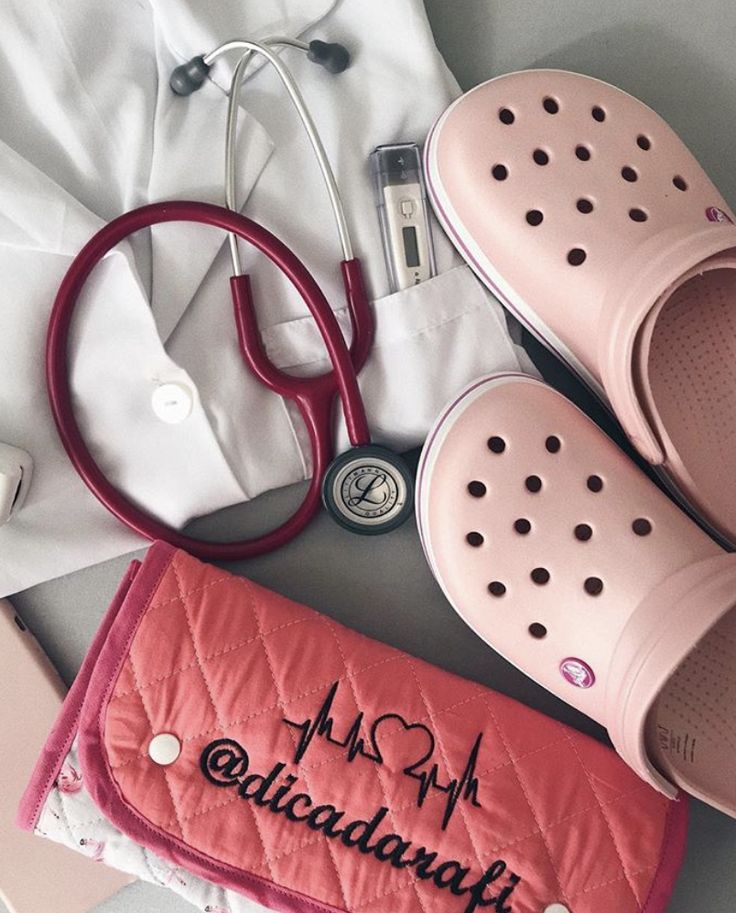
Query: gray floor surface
[{"x": 678, "y": 57}]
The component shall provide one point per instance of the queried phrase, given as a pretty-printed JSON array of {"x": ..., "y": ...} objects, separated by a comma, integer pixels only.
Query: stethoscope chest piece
[{"x": 369, "y": 490}]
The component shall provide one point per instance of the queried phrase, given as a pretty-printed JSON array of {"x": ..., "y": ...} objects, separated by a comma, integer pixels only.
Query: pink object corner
[
  {"x": 585, "y": 213},
  {"x": 247, "y": 680},
  {"x": 49, "y": 765}
]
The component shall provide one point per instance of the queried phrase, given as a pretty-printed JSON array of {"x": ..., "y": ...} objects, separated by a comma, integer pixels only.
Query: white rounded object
[
  {"x": 172, "y": 402},
  {"x": 164, "y": 749}
]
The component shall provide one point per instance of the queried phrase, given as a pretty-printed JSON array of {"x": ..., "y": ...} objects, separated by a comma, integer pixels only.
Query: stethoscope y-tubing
[
  {"x": 314, "y": 396},
  {"x": 292, "y": 89}
]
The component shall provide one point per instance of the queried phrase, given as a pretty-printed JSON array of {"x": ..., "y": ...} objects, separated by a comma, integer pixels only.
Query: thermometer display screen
[{"x": 411, "y": 247}]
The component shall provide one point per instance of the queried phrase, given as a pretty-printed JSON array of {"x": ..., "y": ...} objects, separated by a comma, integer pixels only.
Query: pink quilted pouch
[{"x": 246, "y": 750}]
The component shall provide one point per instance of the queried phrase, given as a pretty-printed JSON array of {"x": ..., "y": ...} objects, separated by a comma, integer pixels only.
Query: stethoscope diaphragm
[{"x": 369, "y": 490}]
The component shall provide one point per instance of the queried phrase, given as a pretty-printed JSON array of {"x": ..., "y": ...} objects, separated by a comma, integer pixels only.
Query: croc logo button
[
  {"x": 714, "y": 214},
  {"x": 577, "y": 672}
]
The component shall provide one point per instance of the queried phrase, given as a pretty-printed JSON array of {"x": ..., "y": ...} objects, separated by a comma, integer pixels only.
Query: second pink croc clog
[
  {"x": 594, "y": 224},
  {"x": 561, "y": 554}
]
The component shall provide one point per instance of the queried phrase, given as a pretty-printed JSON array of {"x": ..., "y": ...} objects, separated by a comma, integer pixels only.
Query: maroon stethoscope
[{"x": 368, "y": 488}]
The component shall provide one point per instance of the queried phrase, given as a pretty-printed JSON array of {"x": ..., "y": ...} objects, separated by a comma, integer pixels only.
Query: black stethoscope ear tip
[
  {"x": 369, "y": 490},
  {"x": 189, "y": 76},
  {"x": 334, "y": 57}
]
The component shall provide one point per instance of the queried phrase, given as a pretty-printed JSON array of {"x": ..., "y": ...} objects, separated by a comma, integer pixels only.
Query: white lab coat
[{"x": 88, "y": 129}]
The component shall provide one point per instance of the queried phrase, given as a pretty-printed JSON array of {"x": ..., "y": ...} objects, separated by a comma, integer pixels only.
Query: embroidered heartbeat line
[{"x": 464, "y": 789}]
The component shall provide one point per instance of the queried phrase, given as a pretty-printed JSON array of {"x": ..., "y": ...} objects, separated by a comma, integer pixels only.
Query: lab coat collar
[
  {"x": 189, "y": 133},
  {"x": 36, "y": 213}
]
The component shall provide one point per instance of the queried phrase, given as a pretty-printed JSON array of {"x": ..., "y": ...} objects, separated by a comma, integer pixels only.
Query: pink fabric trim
[
  {"x": 99, "y": 779},
  {"x": 673, "y": 854},
  {"x": 65, "y": 728}
]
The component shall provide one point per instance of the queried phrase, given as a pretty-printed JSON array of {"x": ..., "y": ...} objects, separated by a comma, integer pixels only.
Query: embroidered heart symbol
[{"x": 401, "y": 745}]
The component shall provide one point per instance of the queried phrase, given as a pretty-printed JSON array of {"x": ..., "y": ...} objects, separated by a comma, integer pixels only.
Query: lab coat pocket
[{"x": 431, "y": 340}]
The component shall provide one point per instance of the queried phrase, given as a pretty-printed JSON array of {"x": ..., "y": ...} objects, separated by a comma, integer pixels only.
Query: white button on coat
[
  {"x": 159, "y": 307},
  {"x": 556, "y": 908},
  {"x": 172, "y": 403},
  {"x": 164, "y": 749}
]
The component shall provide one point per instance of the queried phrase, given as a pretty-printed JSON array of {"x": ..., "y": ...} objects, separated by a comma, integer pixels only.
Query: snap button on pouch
[
  {"x": 164, "y": 749},
  {"x": 556, "y": 908},
  {"x": 172, "y": 403}
]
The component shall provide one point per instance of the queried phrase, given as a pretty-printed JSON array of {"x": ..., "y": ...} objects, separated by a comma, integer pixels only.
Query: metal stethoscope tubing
[{"x": 328, "y": 176}]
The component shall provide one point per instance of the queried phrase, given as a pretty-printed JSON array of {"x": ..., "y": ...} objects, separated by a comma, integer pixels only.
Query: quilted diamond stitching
[
  {"x": 614, "y": 842},
  {"x": 164, "y": 772},
  {"x": 383, "y": 894},
  {"x": 499, "y": 848},
  {"x": 322, "y": 687},
  {"x": 184, "y": 601},
  {"x": 532, "y": 809},
  {"x": 610, "y": 881},
  {"x": 641, "y": 787},
  {"x": 230, "y": 648},
  {"x": 538, "y": 830},
  {"x": 197, "y": 589},
  {"x": 197, "y": 658},
  {"x": 427, "y": 718},
  {"x": 267, "y": 655},
  {"x": 433, "y": 713},
  {"x": 600, "y": 804},
  {"x": 130, "y": 857},
  {"x": 307, "y": 842}
]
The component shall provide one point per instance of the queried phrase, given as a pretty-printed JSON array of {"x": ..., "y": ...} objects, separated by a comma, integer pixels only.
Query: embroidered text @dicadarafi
[{"x": 225, "y": 763}]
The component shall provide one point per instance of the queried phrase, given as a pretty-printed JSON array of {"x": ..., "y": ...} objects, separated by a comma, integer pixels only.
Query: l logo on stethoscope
[{"x": 368, "y": 489}]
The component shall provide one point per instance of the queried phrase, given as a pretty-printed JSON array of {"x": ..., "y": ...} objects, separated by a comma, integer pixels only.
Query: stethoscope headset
[{"x": 367, "y": 489}]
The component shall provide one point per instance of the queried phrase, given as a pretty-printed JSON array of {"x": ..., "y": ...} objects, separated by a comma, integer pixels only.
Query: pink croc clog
[
  {"x": 562, "y": 555},
  {"x": 585, "y": 213}
]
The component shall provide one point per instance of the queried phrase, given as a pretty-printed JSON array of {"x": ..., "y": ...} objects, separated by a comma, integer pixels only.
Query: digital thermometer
[{"x": 404, "y": 214}]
